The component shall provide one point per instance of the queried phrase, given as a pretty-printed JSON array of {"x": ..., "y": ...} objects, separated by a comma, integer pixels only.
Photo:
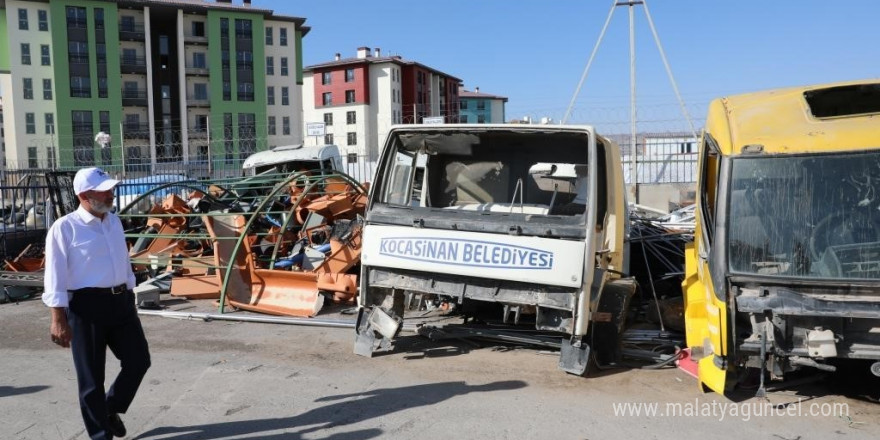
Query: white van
[{"x": 292, "y": 158}]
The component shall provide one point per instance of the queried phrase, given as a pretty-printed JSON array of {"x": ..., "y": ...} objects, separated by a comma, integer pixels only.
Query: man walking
[{"x": 88, "y": 285}]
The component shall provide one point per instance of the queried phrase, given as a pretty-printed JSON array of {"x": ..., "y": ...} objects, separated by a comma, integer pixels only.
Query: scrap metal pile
[
  {"x": 271, "y": 243},
  {"x": 657, "y": 263}
]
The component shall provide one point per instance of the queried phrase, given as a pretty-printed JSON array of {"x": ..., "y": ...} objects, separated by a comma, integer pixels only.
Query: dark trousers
[{"x": 99, "y": 321}]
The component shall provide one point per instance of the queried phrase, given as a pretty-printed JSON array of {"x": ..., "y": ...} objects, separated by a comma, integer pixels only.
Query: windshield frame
[{"x": 550, "y": 225}]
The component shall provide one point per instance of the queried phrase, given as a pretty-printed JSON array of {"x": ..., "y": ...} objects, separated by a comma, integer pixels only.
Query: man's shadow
[{"x": 348, "y": 409}]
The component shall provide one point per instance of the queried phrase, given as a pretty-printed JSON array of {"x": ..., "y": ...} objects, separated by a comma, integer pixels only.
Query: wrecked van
[
  {"x": 293, "y": 158},
  {"x": 527, "y": 220}
]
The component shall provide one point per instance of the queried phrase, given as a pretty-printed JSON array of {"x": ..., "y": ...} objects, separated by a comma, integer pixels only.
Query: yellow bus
[{"x": 784, "y": 271}]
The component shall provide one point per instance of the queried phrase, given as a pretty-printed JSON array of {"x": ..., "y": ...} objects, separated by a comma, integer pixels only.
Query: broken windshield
[
  {"x": 815, "y": 216},
  {"x": 537, "y": 173}
]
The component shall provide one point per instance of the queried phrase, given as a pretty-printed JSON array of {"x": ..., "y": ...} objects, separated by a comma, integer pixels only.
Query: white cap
[{"x": 89, "y": 179}]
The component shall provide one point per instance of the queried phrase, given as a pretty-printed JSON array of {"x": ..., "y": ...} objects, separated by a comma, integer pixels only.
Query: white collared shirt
[{"x": 84, "y": 251}]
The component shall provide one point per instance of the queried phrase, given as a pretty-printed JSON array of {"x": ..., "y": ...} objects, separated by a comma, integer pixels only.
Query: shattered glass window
[
  {"x": 815, "y": 216},
  {"x": 490, "y": 172}
]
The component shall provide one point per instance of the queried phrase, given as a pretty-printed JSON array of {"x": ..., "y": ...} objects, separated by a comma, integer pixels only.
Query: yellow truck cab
[{"x": 784, "y": 271}]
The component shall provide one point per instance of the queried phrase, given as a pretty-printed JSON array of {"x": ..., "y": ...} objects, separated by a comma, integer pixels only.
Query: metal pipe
[{"x": 308, "y": 322}]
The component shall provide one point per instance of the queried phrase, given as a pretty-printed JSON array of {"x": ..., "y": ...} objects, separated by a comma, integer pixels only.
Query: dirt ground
[{"x": 234, "y": 380}]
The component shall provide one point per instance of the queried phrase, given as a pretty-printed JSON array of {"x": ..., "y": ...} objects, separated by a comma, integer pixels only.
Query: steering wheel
[
  {"x": 819, "y": 236},
  {"x": 857, "y": 224}
]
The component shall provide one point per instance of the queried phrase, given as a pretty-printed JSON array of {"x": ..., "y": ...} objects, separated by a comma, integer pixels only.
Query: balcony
[
  {"x": 80, "y": 92},
  {"x": 135, "y": 131},
  {"x": 198, "y": 133},
  {"x": 197, "y": 101},
  {"x": 196, "y": 70},
  {"x": 131, "y": 32},
  {"x": 130, "y": 64},
  {"x": 134, "y": 98},
  {"x": 195, "y": 39}
]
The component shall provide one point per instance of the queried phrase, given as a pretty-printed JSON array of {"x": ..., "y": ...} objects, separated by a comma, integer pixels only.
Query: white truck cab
[{"x": 529, "y": 219}]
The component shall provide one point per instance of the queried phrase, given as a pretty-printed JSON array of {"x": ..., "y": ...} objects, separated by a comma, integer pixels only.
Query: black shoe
[{"x": 115, "y": 426}]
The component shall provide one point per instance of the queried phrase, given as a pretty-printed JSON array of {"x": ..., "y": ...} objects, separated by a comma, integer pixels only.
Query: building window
[
  {"x": 328, "y": 119},
  {"x": 352, "y": 138},
  {"x": 350, "y": 117},
  {"x": 247, "y": 134},
  {"x": 481, "y": 119},
  {"x": 325, "y": 78},
  {"x": 22, "y": 19},
  {"x": 244, "y": 60},
  {"x": 78, "y": 52},
  {"x": 76, "y": 17},
  {"x": 243, "y": 31},
  {"x": 32, "y": 157},
  {"x": 245, "y": 91},
  {"x": 200, "y": 91},
  {"x": 30, "y": 125},
  {"x": 25, "y": 53},
  {"x": 228, "y": 137},
  {"x": 328, "y": 139},
  {"x": 129, "y": 56},
  {"x": 270, "y": 95},
  {"x": 200, "y": 61},
  {"x": 99, "y": 18},
  {"x": 351, "y": 158},
  {"x": 349, "y": 96},
  {"x": 132, "y": 122},
  {"x": 268, "y": 35},
  {"x": 28, "y": 85},
  {"x": 50, "y": 156},
  {"x": 283, "y": 66},
  {"x": 101, "y": 53},
  {"x": 282, "y": 36},
  {"x": 129, "y": 90},
  {"x": 327, "y": 98},
  {"x": 43, "y": 19},
  {"x": 271, "y": 125},
  {"x": 44, "y": 55},
  {"x": 102, "y": 87},
  {"x": 47, "y": 89},
  {"x": 481, "y": 105},
  {"x": 285, "y": 125},
  {"x": 463, "y": 119},
  {"x": 227, "y": 91},
  {"x": 50, "y": 123},
  {"x": 285, "y": 96},
  {"x": 349, "y": 75},
  {"x": 463, "y": 104},
  {"x": 270, "y": 65},
  {"x": 198, "y": 28},
  {"x": 126, "y": 23}
]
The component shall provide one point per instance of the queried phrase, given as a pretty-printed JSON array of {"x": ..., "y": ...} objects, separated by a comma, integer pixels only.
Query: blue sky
[{"x": 534, "y": 51}]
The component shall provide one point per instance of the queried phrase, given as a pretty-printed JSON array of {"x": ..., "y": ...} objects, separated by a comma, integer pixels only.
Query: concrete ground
[{"x": 231, "y": 380}]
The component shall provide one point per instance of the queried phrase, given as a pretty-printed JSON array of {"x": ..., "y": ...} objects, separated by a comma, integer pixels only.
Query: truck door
[{"x": 705, "y": 305}]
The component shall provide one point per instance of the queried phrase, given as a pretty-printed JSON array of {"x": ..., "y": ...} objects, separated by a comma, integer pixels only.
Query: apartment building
[
  {"x": 476, "y": 107},
  {"x": 359, "y": 98},
  {"x": 171, "y": 81}
]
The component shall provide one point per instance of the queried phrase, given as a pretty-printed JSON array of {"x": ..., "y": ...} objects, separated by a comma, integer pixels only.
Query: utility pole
[
  {"x": 633, "y": 131},
  {"x": 633, "y": 144}
]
